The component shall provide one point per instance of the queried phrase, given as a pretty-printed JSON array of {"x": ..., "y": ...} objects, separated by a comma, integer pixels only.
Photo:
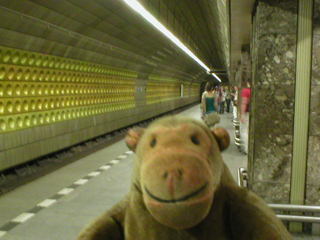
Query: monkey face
[{"x": 180, "y": 167}]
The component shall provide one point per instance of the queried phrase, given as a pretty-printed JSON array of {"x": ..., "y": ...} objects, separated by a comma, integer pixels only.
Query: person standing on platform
[
  {"x": 235, "y": 103},
  {"x": 209, "y": 100},
  {"x": 217, "y": 92},
  {"x": 244, "y": 113},
  {"x": 222, "y": 100},
  {"x": 228, "y": 98}
]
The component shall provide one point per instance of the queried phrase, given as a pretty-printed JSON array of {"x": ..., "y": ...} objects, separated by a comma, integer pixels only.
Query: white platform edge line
[
  {"x": 81, "y": 181},
  {"x": 23, "y": 217},
  {"x": 47, "y": 203},
  {"x": 105, "y": 167},
  {"x": 2, "y": 233},
  {"x": 114, "y": 161},
  {"x": 65, "y": 191},
  {"x": 93, "y": 174}
]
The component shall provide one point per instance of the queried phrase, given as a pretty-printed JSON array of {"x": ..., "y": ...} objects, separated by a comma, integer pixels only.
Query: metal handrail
[
  {"x": 296, "y": 208},
  {"x": 242, "y": 176},
  {"x": 295, "y": 218},
  {"x": 242, "y": 172}
]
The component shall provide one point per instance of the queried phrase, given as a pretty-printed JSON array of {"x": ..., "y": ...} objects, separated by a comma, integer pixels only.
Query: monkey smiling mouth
[{"x": 185, "y": 198}]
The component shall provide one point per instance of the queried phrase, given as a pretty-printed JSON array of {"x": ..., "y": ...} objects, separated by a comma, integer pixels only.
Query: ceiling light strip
[{"x": 144, "y": 13}]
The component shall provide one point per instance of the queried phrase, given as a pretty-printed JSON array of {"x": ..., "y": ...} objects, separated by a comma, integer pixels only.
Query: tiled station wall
[{"x": 48, "y": 103}]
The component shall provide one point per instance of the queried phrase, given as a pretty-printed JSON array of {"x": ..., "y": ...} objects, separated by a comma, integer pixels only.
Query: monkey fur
[{"x": 182, "y": 190}]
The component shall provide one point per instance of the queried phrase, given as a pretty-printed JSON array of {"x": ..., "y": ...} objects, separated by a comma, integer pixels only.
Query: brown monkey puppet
[{"x": 181, "y": 189}]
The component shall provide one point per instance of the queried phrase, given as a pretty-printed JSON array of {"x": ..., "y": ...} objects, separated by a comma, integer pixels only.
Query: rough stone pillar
[
  {"x": 313, "y": 167},
  {"x": 280, "y": 60},
  {"x": 313, "y": 176},
  {"x": 274, "y": 57},
  {"x": 272, "y": 100}
]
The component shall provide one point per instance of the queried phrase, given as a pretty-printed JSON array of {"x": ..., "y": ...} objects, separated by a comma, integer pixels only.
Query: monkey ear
[
  {"x": 222, "y": 137},
  {"x": 133, "y": 136}
]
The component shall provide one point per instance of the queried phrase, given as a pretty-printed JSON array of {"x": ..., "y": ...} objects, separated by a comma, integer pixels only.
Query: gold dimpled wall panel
[
  {"x": 194, "y": 89},
  {"x": 161, "y": 89},
  {"x": 185, "y": 91},
  {"x": 37, "y": 89}
]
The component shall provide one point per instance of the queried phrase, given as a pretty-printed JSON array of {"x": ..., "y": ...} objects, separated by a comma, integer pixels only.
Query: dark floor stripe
[
  {"x": 34, "y": 209},
  {"x": 56, "y": 196},
  {"x": 8, "y": 226},
  {"x": 73, "y": 186}
]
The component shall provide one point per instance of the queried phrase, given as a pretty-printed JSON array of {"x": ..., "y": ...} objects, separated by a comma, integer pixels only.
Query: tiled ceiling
[
  {"x": 240, "y": 29},
  {"x": 110, "y": 32}
]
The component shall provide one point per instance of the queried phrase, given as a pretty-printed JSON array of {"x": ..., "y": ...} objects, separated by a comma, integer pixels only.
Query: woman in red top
[{"x": 244, "y": 110}]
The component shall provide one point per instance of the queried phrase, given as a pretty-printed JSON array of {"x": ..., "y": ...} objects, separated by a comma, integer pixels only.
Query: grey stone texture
[
  {"x": 272, "y": 99},
  {"x": 313, "y": 167},
  {"x": 272, "y": 110},
  {"x": 272, "y": 192},
  {"x": 277, "y": 16}
]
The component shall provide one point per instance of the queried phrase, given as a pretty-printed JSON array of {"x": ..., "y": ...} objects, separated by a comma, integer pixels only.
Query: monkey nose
[
  {"x": 172, "y": 179},
  {"x": 175, "y": 173}
]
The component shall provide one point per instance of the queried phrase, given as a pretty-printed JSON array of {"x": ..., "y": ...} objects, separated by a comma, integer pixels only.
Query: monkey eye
[
  {"x": 195, "y": 140},
  {"x": 153, "y": 142}
]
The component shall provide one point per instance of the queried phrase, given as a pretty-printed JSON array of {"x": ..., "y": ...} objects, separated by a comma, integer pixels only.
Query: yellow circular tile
[
  {"x": 3, "y": 125},
  {"x": 9, "y": 90},
  {"x": 27, "y": 121},
  {"x": 31, "y": 59},
  {"x": 38, "y": 62},
  {"x": 57, "y": 63},
  {"x": 7, "y": 56},
  {"x": 53, "y": 117},
  {"x": 40, "y": 119},
  {"x": 11, "y": 124},
  {"x": 33, "y": 105},
  {"x": 19, "y": 122},
  {"x": 17, "y": 90},
  {"x": 34, "y": 120},
  {"x": 1, "y": 107},
  {"x": 25, "y": 106},
  {"x": 18, "y": 106},
  {"x": 34, "y": 75},
  {"x": 47, "y": 118},
  {"x": 16, "y": 58},
  {"x": 45, "y": 62},
  {"x": 39, "y": 105},
  {"x": 2, "y": 73},
  {"x": 24, "y": 59},
  {"x": 19, "y": 74},
  {"x": 27, "y": 75},
  {"x": 1, "y": 90}
]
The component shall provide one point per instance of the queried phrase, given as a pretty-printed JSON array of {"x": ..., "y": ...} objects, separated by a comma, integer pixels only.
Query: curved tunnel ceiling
[{"x": 111, "y": 33}]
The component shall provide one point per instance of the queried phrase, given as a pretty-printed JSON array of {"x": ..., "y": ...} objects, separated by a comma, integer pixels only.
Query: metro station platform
[{"x": 58, "y": 205}]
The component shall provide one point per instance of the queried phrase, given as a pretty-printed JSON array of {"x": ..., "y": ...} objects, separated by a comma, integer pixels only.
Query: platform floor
[{"x": 58, "y": 205}]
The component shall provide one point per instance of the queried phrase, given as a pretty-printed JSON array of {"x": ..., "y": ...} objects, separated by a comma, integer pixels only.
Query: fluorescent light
[
  {"x": 213, "y": 74},
  {"x": 144, "y": 13}
]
